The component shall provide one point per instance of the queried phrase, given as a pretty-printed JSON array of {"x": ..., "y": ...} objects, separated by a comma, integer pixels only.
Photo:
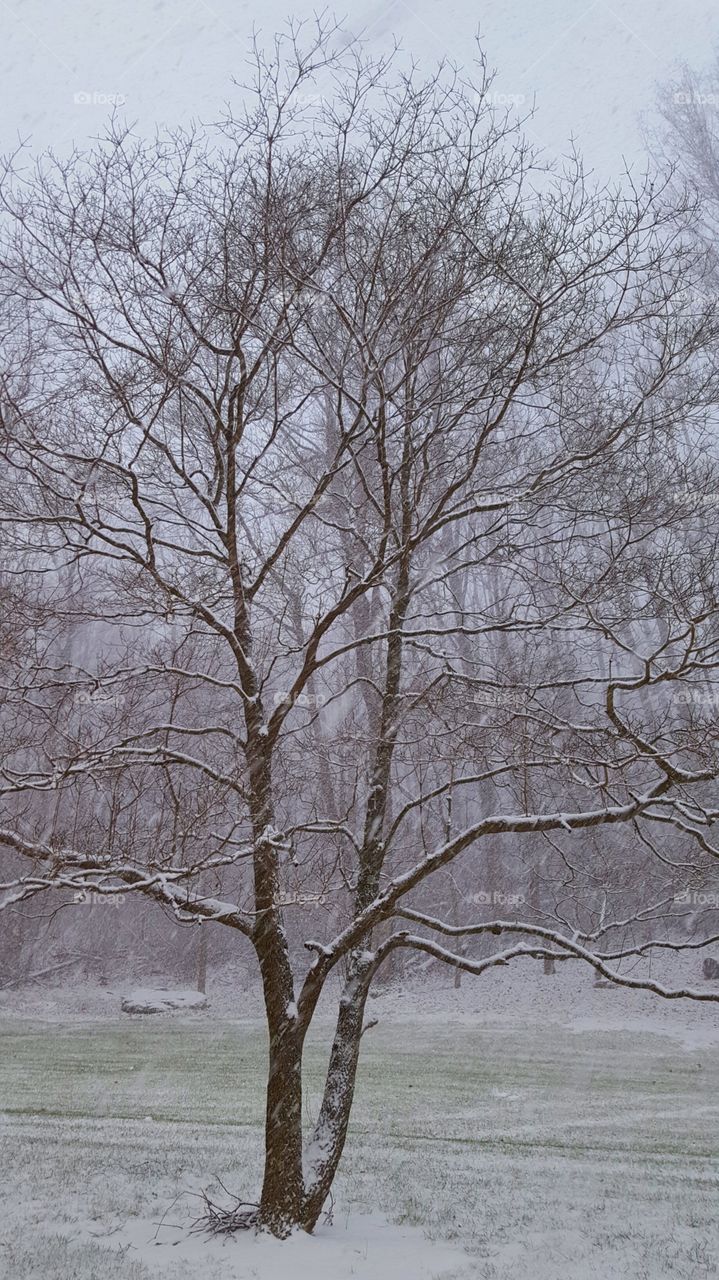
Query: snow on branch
[
  {"x": 564, "y": 948},
  {"x": 97, "y": 874}
]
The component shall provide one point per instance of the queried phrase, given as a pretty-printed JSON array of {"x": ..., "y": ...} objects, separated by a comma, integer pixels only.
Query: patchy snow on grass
[
  {"x": 538, "y": 1150},
  {"x": 541, "y": 1126}
]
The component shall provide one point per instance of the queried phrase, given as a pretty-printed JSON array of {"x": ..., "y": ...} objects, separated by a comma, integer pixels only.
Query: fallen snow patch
[
  {"x": 701, "y": 1037},
  {"x": 161, "y": 1000}
]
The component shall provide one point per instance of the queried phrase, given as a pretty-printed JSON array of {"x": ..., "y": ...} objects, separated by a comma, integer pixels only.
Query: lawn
[{"x": 542, "y": 1152}]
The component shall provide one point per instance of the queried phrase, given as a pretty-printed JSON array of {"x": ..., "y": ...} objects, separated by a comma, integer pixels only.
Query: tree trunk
[
  {"x": 282, "y": 1199},
  {"x": 202, "y": 960},
  {"x": 328, "y": 1140}
]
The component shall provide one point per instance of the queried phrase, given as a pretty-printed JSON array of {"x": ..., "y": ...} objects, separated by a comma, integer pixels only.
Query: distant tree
[
  {"x": 366, "y": 462},
  {"x": 686, "y": 140}
]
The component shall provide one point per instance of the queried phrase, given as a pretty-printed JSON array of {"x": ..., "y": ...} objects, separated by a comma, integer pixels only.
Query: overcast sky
[{"x": 592, "y": 68}]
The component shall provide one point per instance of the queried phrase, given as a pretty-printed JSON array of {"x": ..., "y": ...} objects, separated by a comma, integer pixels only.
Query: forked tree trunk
[{"x": 294, "y": 1191}]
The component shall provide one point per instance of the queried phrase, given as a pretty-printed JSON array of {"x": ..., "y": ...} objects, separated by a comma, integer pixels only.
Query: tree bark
[
  {"x": 282, "y": 1199},
  {"x": 282, "y": 1195},
  {"x": 325, "y": 1149},
  {"x": 202, "y": 961}
]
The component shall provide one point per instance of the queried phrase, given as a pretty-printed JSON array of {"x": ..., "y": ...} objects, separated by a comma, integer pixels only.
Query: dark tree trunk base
[{"x": 243, "y": 1215}]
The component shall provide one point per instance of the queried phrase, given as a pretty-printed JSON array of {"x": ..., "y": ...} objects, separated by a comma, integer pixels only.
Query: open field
[{"x": 542, "y": 1152}]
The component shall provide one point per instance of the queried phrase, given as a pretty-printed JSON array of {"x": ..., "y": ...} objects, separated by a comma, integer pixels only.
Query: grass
[{"x": 542, "y": 1152}]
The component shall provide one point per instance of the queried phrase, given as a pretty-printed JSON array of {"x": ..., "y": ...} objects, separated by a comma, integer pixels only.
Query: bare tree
[
  {"x": 362, "y": 457},
  {"x": 686, "y": 142}
]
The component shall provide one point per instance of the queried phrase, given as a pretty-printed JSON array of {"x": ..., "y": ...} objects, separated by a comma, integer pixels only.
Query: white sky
[{"x": 592, "y": 66}]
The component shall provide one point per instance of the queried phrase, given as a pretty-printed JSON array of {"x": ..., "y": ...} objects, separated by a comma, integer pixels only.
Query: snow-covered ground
[
  {"x": 529, "y": 1127},
  {"x": 363, "y": 1247},
  {"x": 518, "y": 994},
  {"x": 591, "y": 68}
]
